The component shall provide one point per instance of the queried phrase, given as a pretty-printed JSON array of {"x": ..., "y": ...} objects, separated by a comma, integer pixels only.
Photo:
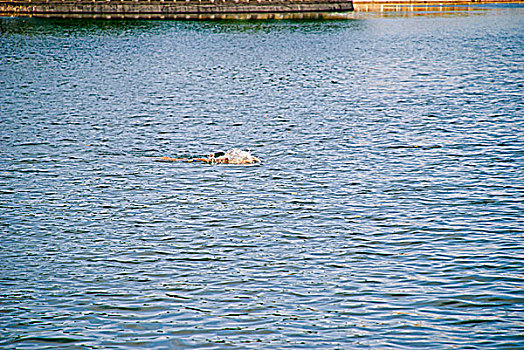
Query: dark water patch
[{"x": 50, "y": 340}]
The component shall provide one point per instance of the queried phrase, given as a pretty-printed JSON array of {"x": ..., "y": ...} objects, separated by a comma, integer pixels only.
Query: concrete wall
[{"x": 136, "y": 8}]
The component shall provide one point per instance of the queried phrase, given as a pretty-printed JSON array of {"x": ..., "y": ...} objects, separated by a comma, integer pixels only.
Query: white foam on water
[{"x": 236, "y": 156}]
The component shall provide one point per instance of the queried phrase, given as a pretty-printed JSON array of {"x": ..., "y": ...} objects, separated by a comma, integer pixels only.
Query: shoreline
[{"x": 226, "y": 9}]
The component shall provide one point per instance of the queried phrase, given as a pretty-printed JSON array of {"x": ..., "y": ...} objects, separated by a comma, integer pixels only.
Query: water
[{"x": 387, "y": 212}]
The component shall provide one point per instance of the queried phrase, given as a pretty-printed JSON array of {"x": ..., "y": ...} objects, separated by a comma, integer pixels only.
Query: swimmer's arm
[
  {"x": 169, "y": 159},
  {"x": 188, "y": 160}
]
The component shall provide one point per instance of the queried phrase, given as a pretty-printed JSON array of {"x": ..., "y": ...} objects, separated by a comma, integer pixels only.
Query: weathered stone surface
[{"x": 137, "y": 8}]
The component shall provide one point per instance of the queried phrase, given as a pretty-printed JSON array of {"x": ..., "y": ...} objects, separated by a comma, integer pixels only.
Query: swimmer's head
[{"x": 218, "y": 154}]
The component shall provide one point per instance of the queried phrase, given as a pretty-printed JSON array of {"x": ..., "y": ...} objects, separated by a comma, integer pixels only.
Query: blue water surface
[{"x": 387, "y": 212}]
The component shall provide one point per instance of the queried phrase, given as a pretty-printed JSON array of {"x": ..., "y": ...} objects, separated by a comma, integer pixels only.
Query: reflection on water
[
  {"x": 204, "y": 16},
  {"x": 425, "y": 9},
  {"x": 387, "y": 211},
  {"x": 419, "y": 9}
]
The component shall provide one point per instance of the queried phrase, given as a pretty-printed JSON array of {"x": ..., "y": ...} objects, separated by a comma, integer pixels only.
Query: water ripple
[{"x": 387, "y": 211}]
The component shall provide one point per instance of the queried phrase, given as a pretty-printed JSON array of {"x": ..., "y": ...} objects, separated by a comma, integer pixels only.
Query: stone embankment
[{"x": 168, "y": 8}]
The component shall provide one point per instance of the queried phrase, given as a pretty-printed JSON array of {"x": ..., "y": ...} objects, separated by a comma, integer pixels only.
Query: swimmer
[{"x": 233, "y": 156}]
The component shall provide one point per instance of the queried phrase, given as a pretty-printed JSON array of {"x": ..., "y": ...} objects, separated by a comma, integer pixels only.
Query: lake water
[{"x": 387, "y": 212}]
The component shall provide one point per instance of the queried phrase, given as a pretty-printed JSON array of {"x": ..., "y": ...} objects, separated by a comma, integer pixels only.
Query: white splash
[{"x": 235, "y": 156}]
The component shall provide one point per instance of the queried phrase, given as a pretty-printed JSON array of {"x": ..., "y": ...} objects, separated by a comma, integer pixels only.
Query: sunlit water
[{"x": 387, "y": 212}]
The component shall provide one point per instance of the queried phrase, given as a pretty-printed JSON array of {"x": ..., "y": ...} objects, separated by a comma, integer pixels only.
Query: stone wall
[{"x": 139, "y": 8}]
